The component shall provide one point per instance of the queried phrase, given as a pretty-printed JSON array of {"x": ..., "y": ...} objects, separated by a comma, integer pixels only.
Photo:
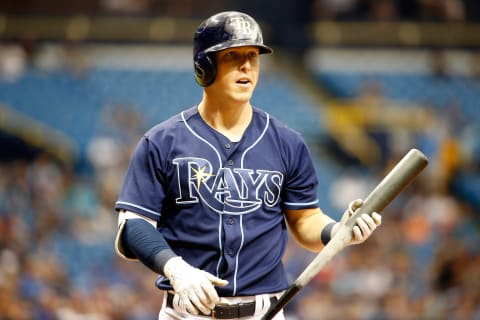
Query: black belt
[{"x": 228, "y": 311}]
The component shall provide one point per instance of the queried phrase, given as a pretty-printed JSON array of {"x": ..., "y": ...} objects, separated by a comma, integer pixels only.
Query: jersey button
[
  {"x": 230, "y": 162},
  {"x": 230, "y": 252},
  {"x": 227, "y": 145},
  {"x": 230, "y": 221}
]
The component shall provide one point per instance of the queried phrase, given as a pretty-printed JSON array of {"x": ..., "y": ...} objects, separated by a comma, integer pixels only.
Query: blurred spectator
[
  {"x": 125, "y": 6},
  {"x": 438, "y": 64},
  {"x": 384, "y": 10},
  {"x": 388, "y": 10},
  {"x": 334, "y": 9},
  {"x": 454, "y": 10},
  {"x": 475, "y": 64},
  {"x": 68, "y": 57},
  {"x": 12, "y": 62}
]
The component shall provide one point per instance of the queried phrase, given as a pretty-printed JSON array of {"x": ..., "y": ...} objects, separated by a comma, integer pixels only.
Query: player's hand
[
  {"x": 194, "y": 287},
  {"x": 365, "y": 224}
]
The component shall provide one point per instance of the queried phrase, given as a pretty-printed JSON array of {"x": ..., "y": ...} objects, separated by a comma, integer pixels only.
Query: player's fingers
[
  {"x": 366, "y": 225},
  {"x": 185, "y": 304},
  {"x": 201, "y": 302},
  {"x": 357, "y": 235},
  {"x": 369, "y": 221},
  {"x": 355, "y": 204},
  {"x": 216, "y": 281},
  {"x": 190, "y": 307},
  {"x": 208, "y": 295},
  {"x": 352, "y": 207},
  {"x": 377, "y": 218},
  {"x": 179, "y": 304},
  {"x": 208, "y": 289}
]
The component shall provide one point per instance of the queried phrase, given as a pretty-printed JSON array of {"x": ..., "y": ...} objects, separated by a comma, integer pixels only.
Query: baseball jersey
[{"x": 220, "y": 204}]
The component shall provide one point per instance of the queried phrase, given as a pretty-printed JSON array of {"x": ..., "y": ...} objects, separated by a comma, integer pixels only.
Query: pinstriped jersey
[{"x": 220, "y": 204}]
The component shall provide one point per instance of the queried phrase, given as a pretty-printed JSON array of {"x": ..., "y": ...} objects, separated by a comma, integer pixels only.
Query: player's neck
[{"x": 230, "y": 121}]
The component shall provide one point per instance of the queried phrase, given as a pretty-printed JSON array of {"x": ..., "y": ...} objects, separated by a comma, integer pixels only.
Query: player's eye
[
  {"x": 252, "y": 54},
  {"x": 239, "y": 56},
  {"x": 230, "y": 56}
]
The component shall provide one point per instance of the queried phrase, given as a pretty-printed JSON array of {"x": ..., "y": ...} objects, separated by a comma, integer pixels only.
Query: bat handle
[{"x": 284, "y": 299}]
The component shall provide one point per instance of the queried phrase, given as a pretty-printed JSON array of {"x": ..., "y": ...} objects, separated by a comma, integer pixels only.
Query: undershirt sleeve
[{"x": 140, "y": 239}]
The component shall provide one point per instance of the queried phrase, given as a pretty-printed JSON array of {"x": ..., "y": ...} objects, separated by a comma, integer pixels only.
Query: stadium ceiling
[{"x": 175, "y": 30}]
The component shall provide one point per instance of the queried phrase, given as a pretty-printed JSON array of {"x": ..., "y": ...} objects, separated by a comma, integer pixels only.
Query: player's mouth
[{"x": 243, "y": 81}]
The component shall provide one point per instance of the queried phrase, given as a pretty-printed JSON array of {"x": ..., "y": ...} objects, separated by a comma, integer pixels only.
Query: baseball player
[{"x": 209, "y": 193}]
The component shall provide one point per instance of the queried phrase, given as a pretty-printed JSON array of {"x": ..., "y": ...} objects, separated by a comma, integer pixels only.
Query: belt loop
[
  {"x": 262, "y": 303},
  {"x": 259, "y": 304}
]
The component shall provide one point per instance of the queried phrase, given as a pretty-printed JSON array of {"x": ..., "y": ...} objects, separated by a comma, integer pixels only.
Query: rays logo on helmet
[{"x": 241, "y": 28}]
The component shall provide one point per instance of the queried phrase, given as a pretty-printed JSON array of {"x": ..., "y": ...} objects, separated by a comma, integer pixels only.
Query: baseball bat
[{"x": 391, "y": 185}]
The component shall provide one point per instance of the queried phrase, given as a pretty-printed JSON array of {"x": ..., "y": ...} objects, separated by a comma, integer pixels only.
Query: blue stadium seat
[{"x": 74, "y": 104}]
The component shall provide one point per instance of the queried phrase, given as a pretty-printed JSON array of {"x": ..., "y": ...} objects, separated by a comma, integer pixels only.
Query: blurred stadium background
[{"x": 362, "y": 80}]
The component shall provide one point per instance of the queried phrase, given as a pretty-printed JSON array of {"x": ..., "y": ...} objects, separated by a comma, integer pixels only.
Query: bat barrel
[{"x": 394, "y": 182}]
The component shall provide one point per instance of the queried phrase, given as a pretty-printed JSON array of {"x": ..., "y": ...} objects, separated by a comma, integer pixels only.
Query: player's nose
[{"x": 246, "y": 61}]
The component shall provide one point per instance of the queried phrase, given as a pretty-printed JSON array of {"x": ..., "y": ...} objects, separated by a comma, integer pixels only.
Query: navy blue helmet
[{"x": 221, "y": 31}]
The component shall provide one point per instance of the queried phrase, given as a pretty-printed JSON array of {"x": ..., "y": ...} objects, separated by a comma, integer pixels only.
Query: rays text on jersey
[{"x": 228, "y": 190}]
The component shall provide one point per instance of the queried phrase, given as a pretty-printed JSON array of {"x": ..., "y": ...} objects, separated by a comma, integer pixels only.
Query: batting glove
[
  {"x": 365, "y": 224},
  {"x": 194, "y": 287}
]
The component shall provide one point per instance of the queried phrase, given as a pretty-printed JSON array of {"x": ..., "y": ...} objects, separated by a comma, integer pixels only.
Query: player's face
[{"x": 237, "y": 73}]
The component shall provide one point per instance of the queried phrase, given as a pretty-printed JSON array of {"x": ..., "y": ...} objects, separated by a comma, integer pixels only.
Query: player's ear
[{"x": 205, "y": 69}]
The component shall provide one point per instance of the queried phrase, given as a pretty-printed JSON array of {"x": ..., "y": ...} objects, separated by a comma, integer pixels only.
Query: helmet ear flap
[{"x": 205, "y": 70}]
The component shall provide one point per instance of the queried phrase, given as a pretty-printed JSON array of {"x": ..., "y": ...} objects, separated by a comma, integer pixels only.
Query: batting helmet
[{"x": 221, "y": 31}]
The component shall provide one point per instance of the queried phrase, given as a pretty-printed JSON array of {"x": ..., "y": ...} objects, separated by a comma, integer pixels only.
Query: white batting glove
[
  {"x": 194, "y": 287},
  {"x": 365, "y": 224}
]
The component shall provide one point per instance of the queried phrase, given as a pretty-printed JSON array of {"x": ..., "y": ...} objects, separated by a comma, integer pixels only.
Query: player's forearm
[
  {"x": 307, "y": 227},
  {"x": 145, "y": 243}
]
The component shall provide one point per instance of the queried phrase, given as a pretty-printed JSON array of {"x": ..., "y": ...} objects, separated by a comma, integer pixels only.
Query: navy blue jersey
[{"x": 220, "y": 204}]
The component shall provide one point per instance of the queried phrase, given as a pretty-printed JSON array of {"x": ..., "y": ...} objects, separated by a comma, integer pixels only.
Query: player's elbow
[{"x": 309, "y": 244}]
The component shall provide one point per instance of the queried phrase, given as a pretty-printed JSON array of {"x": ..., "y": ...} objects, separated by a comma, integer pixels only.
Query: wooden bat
[{"x": 392, "y": 184}]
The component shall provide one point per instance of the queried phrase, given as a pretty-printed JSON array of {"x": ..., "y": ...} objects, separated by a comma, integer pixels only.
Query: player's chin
[
  {"x": 242, "y": 95},
  {"x": 243, "y": 98}
]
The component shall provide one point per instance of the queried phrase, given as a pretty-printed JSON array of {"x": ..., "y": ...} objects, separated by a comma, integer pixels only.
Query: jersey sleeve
[
  {"x": 301, "y": 184},
  {"x": 142, "y": 191}
]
